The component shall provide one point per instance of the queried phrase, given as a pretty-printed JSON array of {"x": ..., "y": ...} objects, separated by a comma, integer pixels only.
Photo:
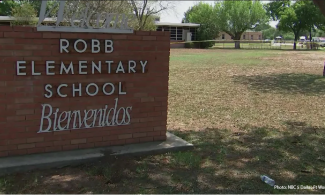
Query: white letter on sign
[
  {"x": 20, "y": 67},
  {"x": 120, "y": 89},
  {"x": 76, "y": 43},
  {"x": 74, "y": 90},
  {"x": 59, "y": 92},
  {"x": 33, "y": 69},
  {"x": 143, "y": 66},
  {"x": 108, "y": 44},
  {"x": 96, "y": 89},
  {"x": 65, "y": 69},
  {"x": 112, "y": 91},
  {"x": 47, "y": 88},
  {"x": 48, "y": 67},
  {"x": 46, "y": 117},
  {"x": 95, "y": 44},
  {"x": 64, "y": 47}
]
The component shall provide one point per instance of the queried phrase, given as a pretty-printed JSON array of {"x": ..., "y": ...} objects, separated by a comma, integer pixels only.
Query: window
[
  {"x": 223, "y": 36},
  {"x": 244, "y": 36},
  {"x": 179, "y": 33},
  {"x": 173, "y": 33},
  {"x": 259, "y": 37},
  {"x": 193, "y": 31},
  {"x": 252, "y": 37}
]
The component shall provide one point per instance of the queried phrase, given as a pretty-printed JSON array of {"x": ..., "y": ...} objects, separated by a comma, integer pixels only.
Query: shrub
[
  {"x": 24, "y": 14},
  {"x": 202, "y": 45},
  {"x": 206, "y": 44},
  {"x": 190, "y": 45}
]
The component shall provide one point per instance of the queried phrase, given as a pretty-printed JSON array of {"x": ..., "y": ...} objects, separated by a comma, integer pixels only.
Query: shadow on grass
[
  {"x": 307, "y": 84},
  {"x": 221, "y": 162},
  {"x": 292, "y": 156}
]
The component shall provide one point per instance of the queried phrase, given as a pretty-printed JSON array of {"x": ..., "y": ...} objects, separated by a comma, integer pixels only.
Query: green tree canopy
[
  {"x": 25, "y": 14},
  {"x": 274, "y": 9},
  {"x": 203, "y": 14},
  {"x": 296, "y": 17},
  {"x": 262, "y": 27},
  {"x": 235, "y": 17},
  {"x": 7, "y": 6}
]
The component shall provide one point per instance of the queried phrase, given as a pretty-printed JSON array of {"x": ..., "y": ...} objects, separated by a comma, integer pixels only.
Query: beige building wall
[{"x": 245, "y": 36}]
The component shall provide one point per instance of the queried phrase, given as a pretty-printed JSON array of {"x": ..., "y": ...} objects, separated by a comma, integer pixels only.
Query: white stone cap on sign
[{"x": 110, "y": 22}]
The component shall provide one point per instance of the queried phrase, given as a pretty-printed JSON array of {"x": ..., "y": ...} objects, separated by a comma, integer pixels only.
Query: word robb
[{"x": 67, "y": 120}]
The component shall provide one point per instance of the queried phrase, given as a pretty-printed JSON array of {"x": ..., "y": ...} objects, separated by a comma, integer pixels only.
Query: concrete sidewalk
[{"x": 59, "y": 159}]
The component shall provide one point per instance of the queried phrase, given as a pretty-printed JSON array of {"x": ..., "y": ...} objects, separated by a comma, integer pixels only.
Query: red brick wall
[{"x": 21, "y": 97}]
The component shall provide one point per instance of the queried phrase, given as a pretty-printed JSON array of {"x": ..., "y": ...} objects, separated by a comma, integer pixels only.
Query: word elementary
[{"x": 114, "y": 115}]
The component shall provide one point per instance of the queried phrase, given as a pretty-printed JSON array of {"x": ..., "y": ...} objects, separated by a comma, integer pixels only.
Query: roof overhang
[
  {"x": 177, "y": 24},
  {"x": 10, "y": 19},
  {"x": 49, "y": 20}
]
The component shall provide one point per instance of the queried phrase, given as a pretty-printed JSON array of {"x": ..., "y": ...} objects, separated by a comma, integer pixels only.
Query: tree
[
  {"x": 298, "y": 17},
  {"x": 290, "y": 21},
  {"x": 321, "y": 5},
  {"x": 318, "y": 33},
  {"x": 235, "y": 17},
  {"x": 146, "y": 9},
  {"x": 269, "y": 33},
  {"x": 7, "y": 6},
  {"x": 203, "y": 14},
  {"x": 274, "y": 9},
  {"x": 313, "y": 17},
  {"x": 263, "y": 27},
  {"x": 24, "y": 14},
  {"x": 77, "y": 8},
  {"x": 36, "y": 4}
]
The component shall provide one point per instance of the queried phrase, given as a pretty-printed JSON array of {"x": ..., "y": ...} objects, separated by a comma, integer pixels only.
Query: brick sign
[{"x": 65, "y": 91}]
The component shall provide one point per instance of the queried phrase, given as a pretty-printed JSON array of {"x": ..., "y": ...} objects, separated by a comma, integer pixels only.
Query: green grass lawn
[{"x": 248, "y": 113}]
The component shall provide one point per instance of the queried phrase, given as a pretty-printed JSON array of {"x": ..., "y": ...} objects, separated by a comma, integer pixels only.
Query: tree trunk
[
  {"x": 310, "y": 43},
  {"x": 237, "y": 40},
  {"x": 310, "y": 36},
  {"x": 295, "y": 42},
  {"x": 237, "y": 44}
]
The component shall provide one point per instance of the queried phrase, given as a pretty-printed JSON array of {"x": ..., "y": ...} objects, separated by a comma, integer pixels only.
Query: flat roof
[
  {"x": 6, "y": 19},
  {"x": 176, "y": 24},
  {"x": 10, "y": 19}
]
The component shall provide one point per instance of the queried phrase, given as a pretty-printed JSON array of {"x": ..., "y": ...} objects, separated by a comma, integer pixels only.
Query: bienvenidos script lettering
[{"x": 70, "y": 120}]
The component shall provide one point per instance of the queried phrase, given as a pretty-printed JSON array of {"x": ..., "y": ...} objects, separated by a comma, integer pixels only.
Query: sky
[{"x": 181, "y": 7}]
